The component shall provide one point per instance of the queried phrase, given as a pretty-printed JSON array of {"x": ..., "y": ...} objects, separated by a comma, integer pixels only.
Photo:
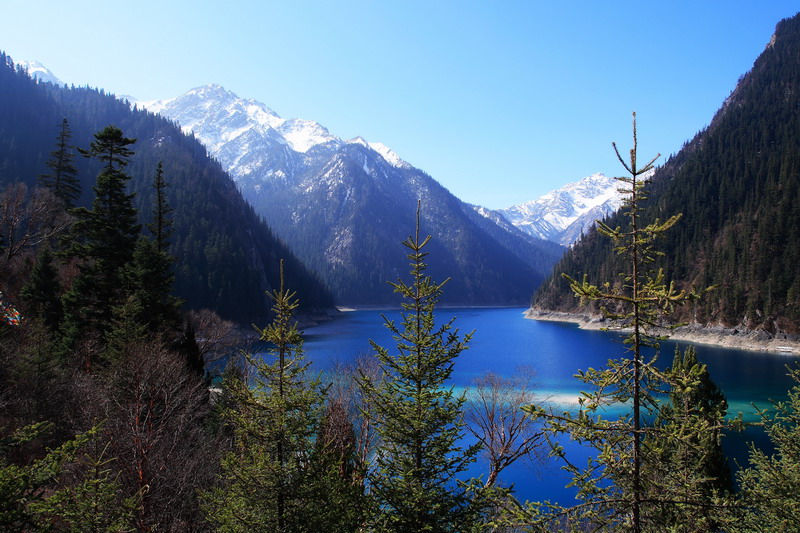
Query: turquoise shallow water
[{"x": 504, "y": 342}]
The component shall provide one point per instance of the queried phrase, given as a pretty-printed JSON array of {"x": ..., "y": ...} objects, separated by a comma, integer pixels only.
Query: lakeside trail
[{"x": 742, "y": 339}]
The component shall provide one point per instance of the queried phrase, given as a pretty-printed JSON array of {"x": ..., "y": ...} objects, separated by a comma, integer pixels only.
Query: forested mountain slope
[
  {"x": 737, "y": 184},
  {"x": 226, "y": 255}
]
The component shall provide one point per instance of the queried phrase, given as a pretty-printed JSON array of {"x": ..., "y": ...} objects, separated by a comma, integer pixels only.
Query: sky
[{"x": 500, "y": 101}]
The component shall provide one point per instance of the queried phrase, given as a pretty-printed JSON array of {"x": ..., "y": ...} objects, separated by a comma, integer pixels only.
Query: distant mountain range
[
  {"x": 299, "y": 177},
  {"x": 565, "y": 214},
  {"x": 343, "y": 206},
  {"x": 250, "y": 139}
]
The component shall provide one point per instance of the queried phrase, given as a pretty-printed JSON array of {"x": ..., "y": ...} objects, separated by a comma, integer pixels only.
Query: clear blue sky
[{"x": 501, "y": 101}]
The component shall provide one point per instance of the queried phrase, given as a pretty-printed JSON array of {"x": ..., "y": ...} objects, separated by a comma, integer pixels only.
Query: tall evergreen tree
[
  {"x": 148, "y": 279},
  {"x": 273, "y": 479},
  {"x": 623, "y": 487},
  {"x": 686, "y": 448},
  {"x": 161, "y": 226},
  {"x": 42, "y": 292},
  {"x": 419, "y": 416},
  {"x": 63, "y": 179},
  {"x": 103, "y": 237}
]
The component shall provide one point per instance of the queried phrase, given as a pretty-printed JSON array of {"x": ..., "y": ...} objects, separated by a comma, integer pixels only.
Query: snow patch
[
  {"x": 563, "y": 215},
  {"x": 39, "y": 72},
  {"x": 390, "y": 157}
]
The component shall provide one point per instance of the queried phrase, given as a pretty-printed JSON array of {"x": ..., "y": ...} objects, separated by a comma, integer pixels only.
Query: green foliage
[
  {"x": 277, "y": 478},
  {"x": 695, "y": 399},
  {"x": 63, "y": 180},
  {"x": 685, "y": 447},
  {"x": 161, "y": 226},
  {"x": 126, "y": 328},
  {"x": 42, "y": 292},
  {"x": 24, "y": 485},
  {"x": 148, "y": 280},
  {"x": 90, "y": 500},
  {"x": 640, "y": 478},
  {"x": 419, "y": 417},
  {"x": 103, "y": 238},
  {"x": 770, "y": 486}
]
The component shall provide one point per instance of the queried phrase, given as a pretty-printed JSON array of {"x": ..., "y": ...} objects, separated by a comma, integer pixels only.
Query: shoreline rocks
[{"x": 714, "y": 335}]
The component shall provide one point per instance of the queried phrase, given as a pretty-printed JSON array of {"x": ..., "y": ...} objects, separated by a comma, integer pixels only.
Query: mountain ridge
[{"x": 343, "y": 206}]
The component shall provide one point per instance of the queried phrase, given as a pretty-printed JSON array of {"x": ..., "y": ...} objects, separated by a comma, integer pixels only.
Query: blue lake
[{"x": 504, "y": 342}]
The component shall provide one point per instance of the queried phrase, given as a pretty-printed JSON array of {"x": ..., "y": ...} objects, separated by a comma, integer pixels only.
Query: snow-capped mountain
[
  {"x": 343, "y": 206},
  {"x": 39, "y": 72},
  {"x": 563, "y": 215},
  {"x": 245, "y": 135}
]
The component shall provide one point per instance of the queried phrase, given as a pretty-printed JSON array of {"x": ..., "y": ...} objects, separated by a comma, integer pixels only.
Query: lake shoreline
[
  {"x": 440, "y": 306},
  {"x": 741, "y": 339}
]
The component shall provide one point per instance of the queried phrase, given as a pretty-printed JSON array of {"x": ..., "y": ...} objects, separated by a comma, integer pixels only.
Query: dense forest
[
  {"x": 226, "y": 257},
  {"x": 737, "y": 184}
]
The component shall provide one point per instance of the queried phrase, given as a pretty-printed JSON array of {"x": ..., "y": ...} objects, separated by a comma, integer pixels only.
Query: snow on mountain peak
[
  {"x": 358, "y": 140},
  {"x": 39, "y": 72},
  {"x": 218, "y": 116},
  {"x": 390, "y": 157},
  {"x": 385, "y": 152},
  {"x": 564, "y": 214},
  {"x": 304, "y": 134}
]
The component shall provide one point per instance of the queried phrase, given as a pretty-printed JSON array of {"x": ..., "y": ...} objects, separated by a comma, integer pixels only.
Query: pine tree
[
  {"x": 42, "y": 292},
  {"x": 273, "y": 479},
  {"x": 621, "y": 488},
  {"x": 90, "y": 500},
  {"x": 418, "y": 416},
  {"x": 24, "y": 485},
  {"x": 124, "y": 330},
  {"x": 103, "y": 237},
  {"x": 686, "y": 456},
  {"x": 161, "y": 226},
  {"x": 187, "y": 345},
  {"x": 148, "y": 279},
  {"x": 63, "y": 180}
]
